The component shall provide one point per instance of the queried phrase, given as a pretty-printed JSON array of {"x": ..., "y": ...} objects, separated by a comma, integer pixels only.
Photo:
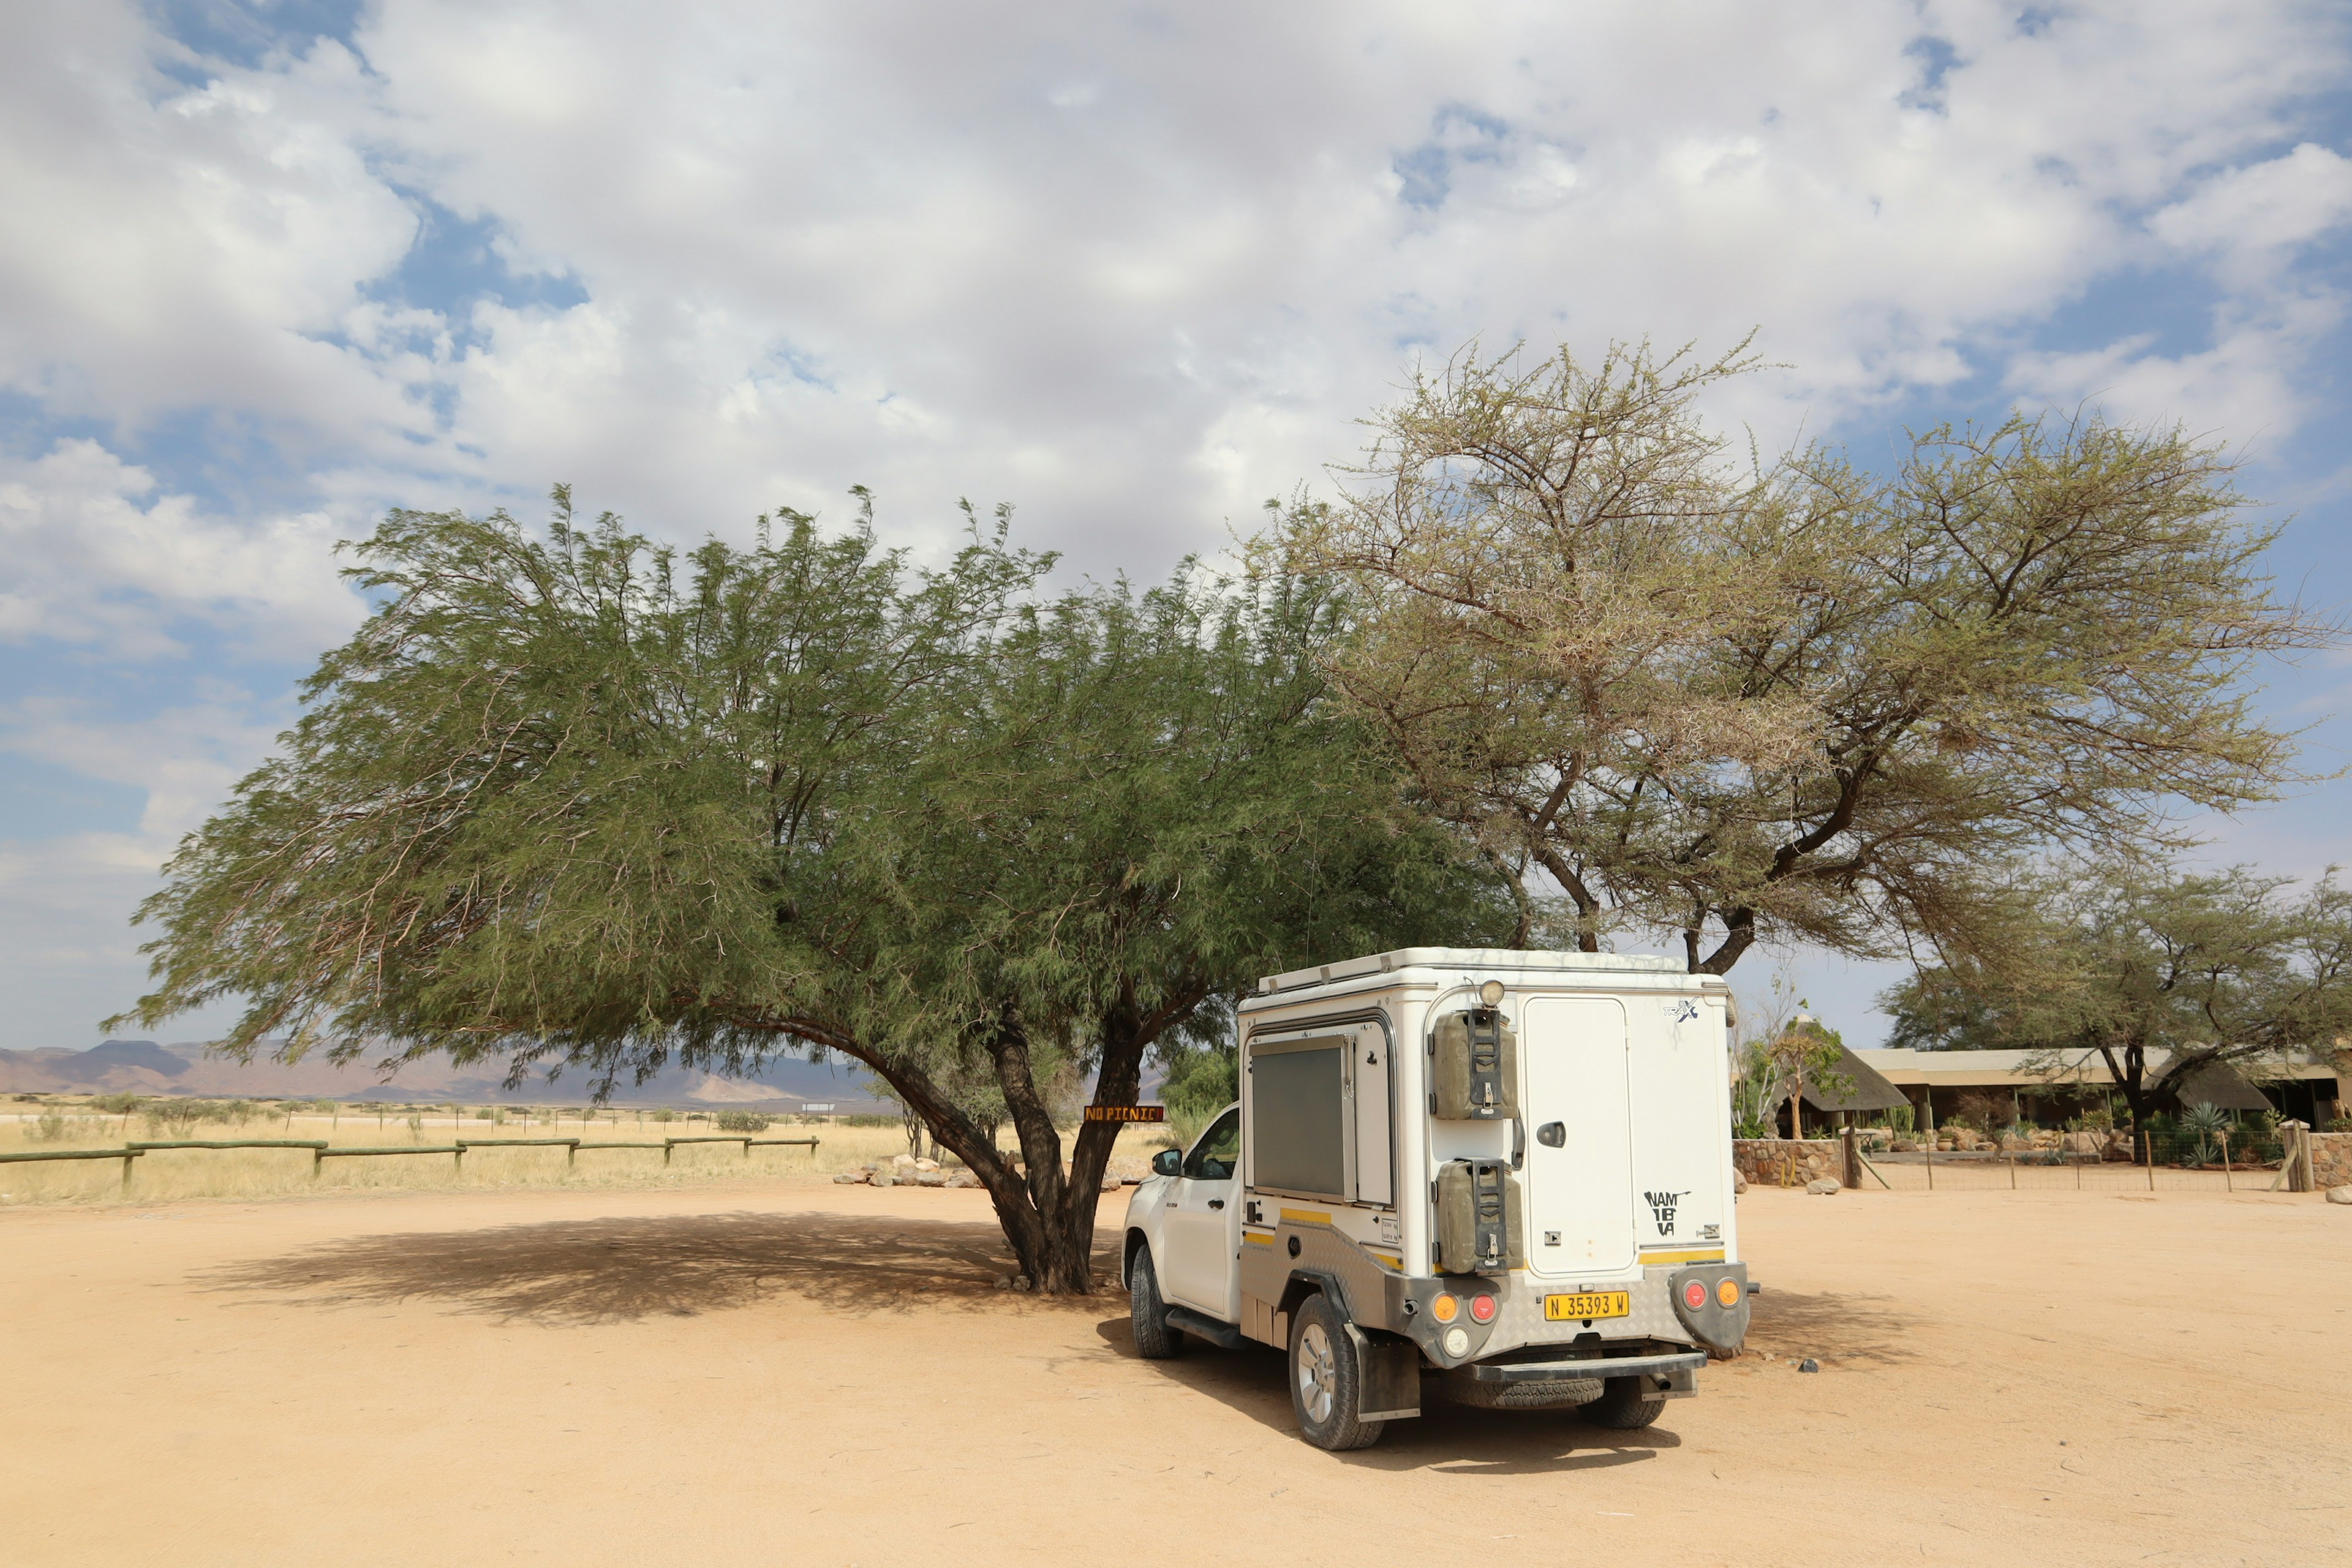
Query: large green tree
[
  {"x": 575, "y": 802},
  {"x": 2154, "y": 971},
  {"x": 1725, "y": 699}
]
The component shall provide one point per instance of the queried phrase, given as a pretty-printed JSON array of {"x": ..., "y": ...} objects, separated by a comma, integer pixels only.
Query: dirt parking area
[{"x": 798, "y": 1373}]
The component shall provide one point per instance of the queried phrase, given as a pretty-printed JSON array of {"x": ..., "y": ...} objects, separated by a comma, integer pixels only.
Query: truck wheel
[
  {"x": 1623, "y": 1405},
  {"x": 1327, "y": 1380},
  {"x": 1154, "y": 1340}
]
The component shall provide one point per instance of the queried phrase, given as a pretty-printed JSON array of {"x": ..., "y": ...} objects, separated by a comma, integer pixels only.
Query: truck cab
[{"x": 1497, "y": 1177}]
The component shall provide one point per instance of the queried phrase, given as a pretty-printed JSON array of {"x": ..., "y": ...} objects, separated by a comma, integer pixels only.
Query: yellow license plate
[{"x": 1588, "y": 1304}]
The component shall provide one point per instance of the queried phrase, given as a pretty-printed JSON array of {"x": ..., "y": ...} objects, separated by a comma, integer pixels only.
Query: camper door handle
[
  {"x": 1551, "y": 1134},
  {"x": 1216, "y": 1202}
]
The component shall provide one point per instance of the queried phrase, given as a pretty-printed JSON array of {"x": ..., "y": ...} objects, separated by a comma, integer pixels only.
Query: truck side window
[{"x": 1219, "y": 1152}]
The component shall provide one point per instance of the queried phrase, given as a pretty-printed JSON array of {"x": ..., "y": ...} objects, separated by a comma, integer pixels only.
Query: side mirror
[{"x": 1168, "y": 1162}]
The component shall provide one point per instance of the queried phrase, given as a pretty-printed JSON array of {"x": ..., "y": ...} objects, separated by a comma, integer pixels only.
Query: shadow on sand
[
  {"x": 1854, "y": 1330},
  {"x": 619, "y": 1270},
  {"x": 1444, "y": 1439}
]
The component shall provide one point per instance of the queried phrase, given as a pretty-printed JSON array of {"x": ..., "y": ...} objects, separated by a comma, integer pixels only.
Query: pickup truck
[{"x": 1499, "y": 1178}]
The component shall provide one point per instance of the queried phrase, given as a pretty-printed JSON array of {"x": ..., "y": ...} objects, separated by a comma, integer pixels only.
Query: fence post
[
  {"x": 127, "y": 1158},
  {"x": 2012, "y": 1170},
  {"x": 1930, "y": 1147},
  {"x": 2228, "y": 1183},
  {"x": 1853, "y": 1160},
  {"x": 2147, "y": 1136}
]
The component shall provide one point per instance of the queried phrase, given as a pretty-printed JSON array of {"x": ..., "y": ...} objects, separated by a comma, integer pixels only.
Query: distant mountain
[{"x": 143, "y": 1066}]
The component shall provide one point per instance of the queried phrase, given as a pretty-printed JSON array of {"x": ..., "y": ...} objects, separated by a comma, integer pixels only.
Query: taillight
[
  {"x": 1695, "y": 1294},
  {"x": 1728, "y": 1292},
  {"x": 1481, "y": 1309},
  {"x": 1443, "y": 1309}
]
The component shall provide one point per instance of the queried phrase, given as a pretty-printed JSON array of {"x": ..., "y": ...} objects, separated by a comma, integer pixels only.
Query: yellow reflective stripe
[
  {"x": 1652, "y": 1259},
  {"x": 1254, "y": 1240},
  {"x": 1307, "y": 1216},
  {"x": 1396, "y": 1263}
]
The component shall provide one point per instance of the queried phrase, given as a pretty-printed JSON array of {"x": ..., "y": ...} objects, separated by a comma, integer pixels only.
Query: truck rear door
[{"x": 1578, "y": 1116}]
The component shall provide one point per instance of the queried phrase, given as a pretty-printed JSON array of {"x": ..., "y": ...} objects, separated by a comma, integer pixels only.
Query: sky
[{"x": 268, "y": 269}]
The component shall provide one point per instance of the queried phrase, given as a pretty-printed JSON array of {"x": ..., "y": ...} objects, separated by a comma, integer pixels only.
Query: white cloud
[
  {"x": 2254, "y": 216},
  {"x": 96, "y": 557}
]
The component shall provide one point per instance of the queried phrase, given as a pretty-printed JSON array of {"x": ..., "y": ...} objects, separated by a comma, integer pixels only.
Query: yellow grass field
[{"x": 168, "y": 1174}]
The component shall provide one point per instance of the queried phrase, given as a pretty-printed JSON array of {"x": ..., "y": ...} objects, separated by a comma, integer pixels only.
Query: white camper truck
[{"x": 1503, "y": 1178}]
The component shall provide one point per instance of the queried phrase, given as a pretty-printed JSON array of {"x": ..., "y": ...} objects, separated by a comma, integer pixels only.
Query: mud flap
[{"x": 1391, "y": 1372}]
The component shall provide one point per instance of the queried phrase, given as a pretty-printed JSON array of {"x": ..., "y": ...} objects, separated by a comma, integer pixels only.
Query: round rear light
[
  {"x": 1481, "y": 1309},
  {"x": 1457, "y": 1342},
  {"x": 1695, "y": 1294},
  {"x": 1728, "y": 1292},
  {"x": 1443, "y": 1309}
]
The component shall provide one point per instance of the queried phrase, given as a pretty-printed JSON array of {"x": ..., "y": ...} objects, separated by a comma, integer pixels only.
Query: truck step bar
[
  {"x": 1208, "y": 1329},
  {"x": 1590, "y": 1367}
]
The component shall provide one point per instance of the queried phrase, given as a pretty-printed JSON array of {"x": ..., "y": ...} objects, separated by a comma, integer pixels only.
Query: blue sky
[{"x": 269, "y": 269}]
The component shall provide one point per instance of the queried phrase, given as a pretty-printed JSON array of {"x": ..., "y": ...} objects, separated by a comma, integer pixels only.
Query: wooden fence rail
[
  {"x": 125, "y": 1156},
  {"x": 321, "y": 1153}
]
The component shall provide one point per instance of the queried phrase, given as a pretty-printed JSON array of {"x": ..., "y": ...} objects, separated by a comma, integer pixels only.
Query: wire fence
[{"x": 2041, "y": 1171}]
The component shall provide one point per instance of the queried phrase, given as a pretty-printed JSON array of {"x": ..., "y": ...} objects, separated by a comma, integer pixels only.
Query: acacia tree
[
  {"x": 2158, "y": 972},
  {"x": 578, "y": 803},
  {"x": 1791, "y": 699}
]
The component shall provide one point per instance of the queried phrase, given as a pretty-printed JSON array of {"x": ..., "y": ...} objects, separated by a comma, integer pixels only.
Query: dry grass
[{"x": 266, "y": 1173}]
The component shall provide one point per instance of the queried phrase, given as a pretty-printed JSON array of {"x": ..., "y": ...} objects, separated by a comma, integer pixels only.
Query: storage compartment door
[
  {"x": 1580, "y": 1175},
  {"x": 1375, "y": 1150}
]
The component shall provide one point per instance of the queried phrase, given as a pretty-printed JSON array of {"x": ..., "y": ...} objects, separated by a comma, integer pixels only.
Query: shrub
[
  {"x": 665, "y": 1115},
  {"x": 51, "y": 1128},
  {"x": 1902, "y": 1119},
  {"x": 182, "y": 1116},
  {"x": 741, "y": 1121}
]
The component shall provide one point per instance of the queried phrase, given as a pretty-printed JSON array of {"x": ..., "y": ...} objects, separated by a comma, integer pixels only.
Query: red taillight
[
  {"x": 1481, "y": 1309},
  {"x": 1694, "y": 1295}
]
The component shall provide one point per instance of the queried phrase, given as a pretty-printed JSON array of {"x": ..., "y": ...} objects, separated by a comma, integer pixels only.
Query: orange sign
[{"x": 1127, "y": 1114}]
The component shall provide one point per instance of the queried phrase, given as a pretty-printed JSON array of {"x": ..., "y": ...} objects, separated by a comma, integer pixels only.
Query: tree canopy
[
  {"x": 578, "y": 802},
  {"x": 1792, "y": 697}
]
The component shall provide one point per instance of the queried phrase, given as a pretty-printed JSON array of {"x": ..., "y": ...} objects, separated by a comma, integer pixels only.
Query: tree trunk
[{"x": 1047, "y": 1214}]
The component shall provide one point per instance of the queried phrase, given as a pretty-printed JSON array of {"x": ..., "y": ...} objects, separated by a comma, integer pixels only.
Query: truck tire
[
  {"x": 1327, "y": 1380},
  {"x": 1154, "y": 1339},
  {"x": 1624, "y": 1406}
]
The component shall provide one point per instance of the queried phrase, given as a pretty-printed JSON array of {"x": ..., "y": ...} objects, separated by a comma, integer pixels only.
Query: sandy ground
[{"x": 769, "y": 1373}]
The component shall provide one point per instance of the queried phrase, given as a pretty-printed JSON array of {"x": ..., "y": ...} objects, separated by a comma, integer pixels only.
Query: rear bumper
[{"x": 1674, "y": 1376}]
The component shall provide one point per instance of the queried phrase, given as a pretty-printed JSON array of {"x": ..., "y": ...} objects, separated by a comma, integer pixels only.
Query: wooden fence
[{"x": 321, "y": 1151}]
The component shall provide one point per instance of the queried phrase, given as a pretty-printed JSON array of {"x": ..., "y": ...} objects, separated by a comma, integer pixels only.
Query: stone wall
[
  {"x": 1764, "y": 1161},
  {"x": 2331, "y": 1159}
]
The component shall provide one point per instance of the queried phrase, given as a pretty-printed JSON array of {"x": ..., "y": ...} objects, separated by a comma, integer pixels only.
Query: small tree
[{"x": 2157, "y": 974}]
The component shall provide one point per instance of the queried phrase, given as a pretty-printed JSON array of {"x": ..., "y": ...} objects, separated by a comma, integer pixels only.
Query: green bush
[
  {"x": 1902, "y": 1119},
  {"x": 51, "y": 1128},
  {"x": 741, "y": 1121},
  {"x": 665, "y": 1115}
]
